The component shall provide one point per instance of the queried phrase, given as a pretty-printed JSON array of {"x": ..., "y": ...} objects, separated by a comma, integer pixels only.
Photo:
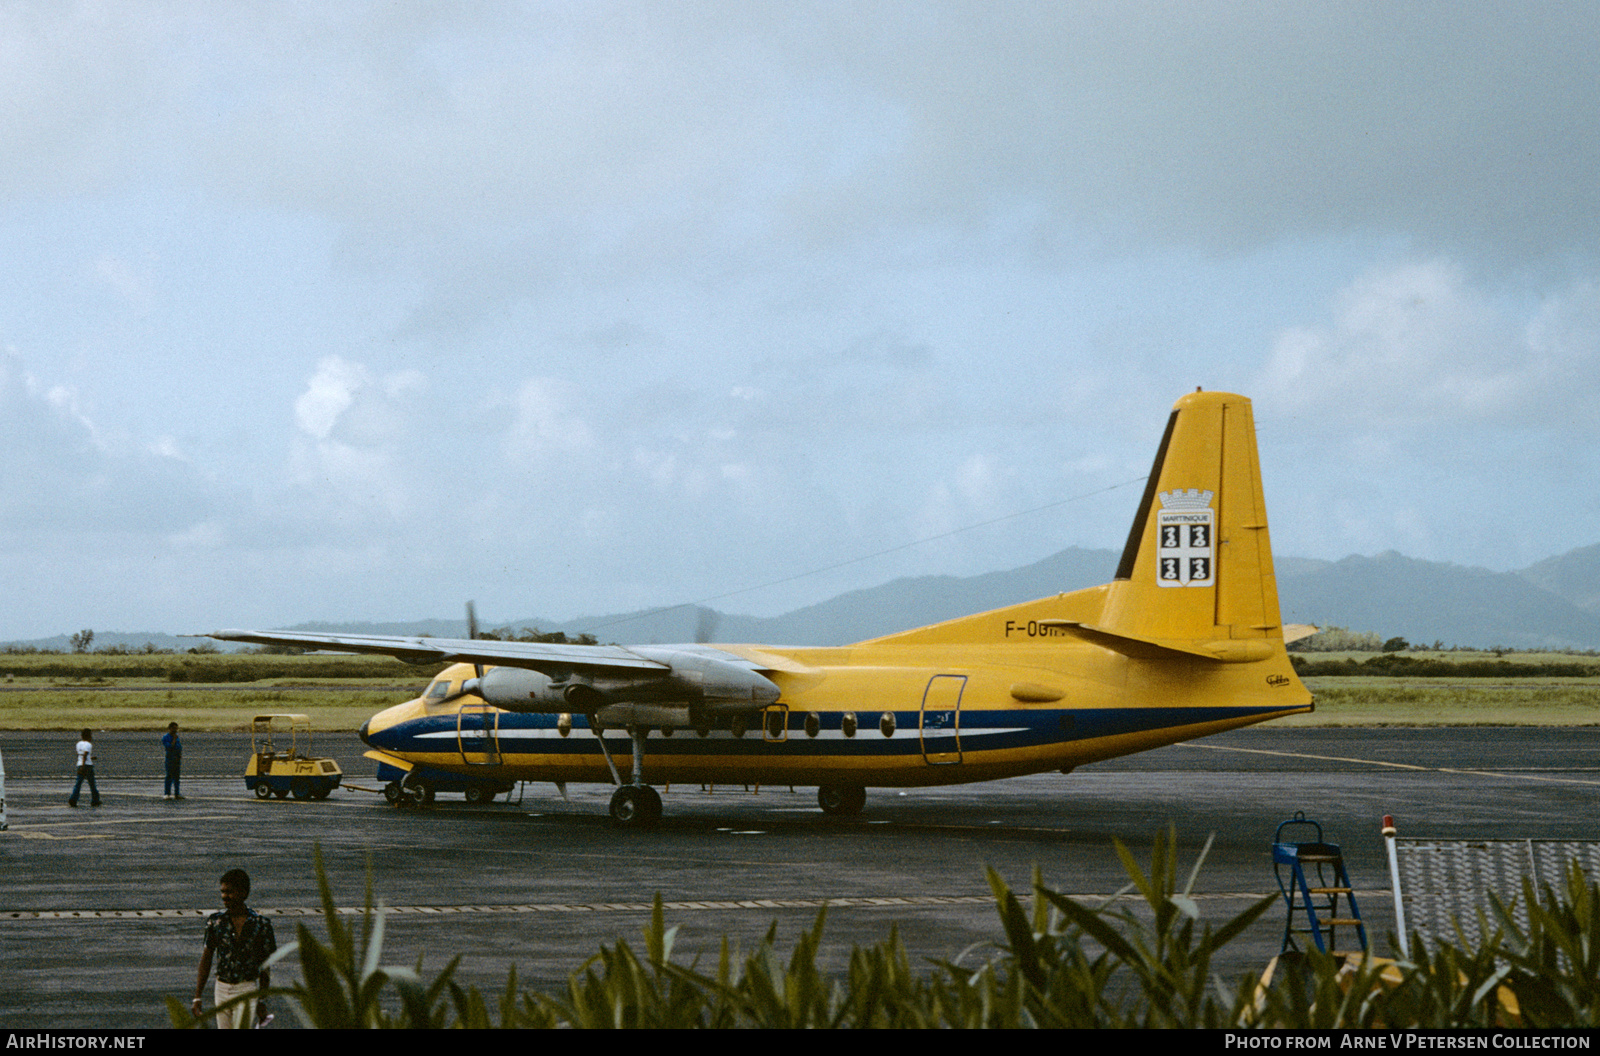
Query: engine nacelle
[
  {"x": 707, "y": 683},
  {"x": 518, "y": 689},
  {"x": 714, "y": 683}
]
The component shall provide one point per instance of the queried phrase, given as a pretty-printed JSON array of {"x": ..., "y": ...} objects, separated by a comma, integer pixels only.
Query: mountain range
[{"x": 1554, "y": 604}]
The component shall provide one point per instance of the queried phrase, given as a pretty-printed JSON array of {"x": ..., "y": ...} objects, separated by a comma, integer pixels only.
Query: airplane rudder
[
  {"x": 1193, "y": 566},
  {"x": 1216, "y": 446}
]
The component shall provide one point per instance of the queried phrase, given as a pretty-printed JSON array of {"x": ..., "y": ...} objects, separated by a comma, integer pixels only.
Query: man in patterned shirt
[{"x": 242, "y": 940}]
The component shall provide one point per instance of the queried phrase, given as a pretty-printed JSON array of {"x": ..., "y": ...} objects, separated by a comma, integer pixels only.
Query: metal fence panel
[{"x": 1445, "y": 884}]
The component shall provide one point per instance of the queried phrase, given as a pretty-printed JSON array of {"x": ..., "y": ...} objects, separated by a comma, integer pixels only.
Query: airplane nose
[{"x": 362, "y": 732}]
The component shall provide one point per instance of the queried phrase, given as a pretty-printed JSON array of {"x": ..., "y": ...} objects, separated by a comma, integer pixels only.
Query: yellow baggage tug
[{"x": 275, "y": 770}]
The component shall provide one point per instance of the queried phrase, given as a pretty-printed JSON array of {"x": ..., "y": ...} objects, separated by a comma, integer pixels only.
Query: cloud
[
  {"x": 1420, "y": 346},
  {"x": 617, "y": 300},
  {"x": 546, "y": 420},
  {"x": 60, "y": 474},
  {"x": 361, "y": 456},
  {"x": 520, "y": 144},
  {"x": 328, "y": 395}
]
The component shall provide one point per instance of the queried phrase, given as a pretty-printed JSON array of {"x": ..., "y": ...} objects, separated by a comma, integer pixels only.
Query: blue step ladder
[{"x": 1312, "y": 877}]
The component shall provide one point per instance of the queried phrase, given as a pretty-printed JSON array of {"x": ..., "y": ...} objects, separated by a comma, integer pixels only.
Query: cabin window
[{"x": 439, "y": 689}]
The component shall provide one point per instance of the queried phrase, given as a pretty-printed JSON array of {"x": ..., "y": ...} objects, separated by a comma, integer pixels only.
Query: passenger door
[{"x": 940, "y": 725}]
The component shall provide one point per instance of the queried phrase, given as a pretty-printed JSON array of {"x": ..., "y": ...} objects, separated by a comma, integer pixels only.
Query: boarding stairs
[{"x": 1313, "y": 879}]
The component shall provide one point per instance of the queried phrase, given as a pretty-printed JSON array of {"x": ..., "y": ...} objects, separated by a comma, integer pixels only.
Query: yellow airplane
[{"x": 1184, "y": 642}]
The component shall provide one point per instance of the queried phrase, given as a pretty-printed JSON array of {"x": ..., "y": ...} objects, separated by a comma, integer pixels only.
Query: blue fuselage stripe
[{"x": 979, "y": 731}]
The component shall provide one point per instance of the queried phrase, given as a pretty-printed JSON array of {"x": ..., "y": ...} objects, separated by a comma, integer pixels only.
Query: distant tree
[
  {"x": 534, "y": 634},
  {"x": 1396, "y": 645},
  {"x": 82, "y": 640}
]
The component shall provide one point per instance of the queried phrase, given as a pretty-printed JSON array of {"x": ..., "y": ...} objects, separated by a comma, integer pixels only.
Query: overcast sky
[{"x": 358, "y": 310}]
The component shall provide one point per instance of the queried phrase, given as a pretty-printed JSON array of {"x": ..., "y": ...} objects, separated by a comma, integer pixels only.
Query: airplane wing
[
  {"x": 580, "y": 677},
  {"x": 538, "y": 656}
]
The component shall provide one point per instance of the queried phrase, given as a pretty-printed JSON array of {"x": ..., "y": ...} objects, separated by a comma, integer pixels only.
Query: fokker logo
[{"x": 1186, "y": 524}]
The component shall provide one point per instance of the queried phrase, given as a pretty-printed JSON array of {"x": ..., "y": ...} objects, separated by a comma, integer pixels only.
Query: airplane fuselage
[{"x": 870, "y": 715}]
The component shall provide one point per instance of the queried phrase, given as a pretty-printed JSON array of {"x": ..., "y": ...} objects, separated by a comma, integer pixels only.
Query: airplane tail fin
[{"x": 1196, "y": 574}]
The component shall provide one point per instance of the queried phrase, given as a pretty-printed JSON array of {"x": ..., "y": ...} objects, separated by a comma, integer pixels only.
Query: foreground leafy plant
[
  {"x": 1554, "y": 964},
  {"x": 1144, "y": 962}
]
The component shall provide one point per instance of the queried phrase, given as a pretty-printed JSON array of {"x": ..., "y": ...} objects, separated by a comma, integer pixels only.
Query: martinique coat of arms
[{"x": 1187, "y": 527}]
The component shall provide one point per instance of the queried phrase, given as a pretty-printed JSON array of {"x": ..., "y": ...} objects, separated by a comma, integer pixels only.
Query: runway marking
[
  {"x": 45, "y": 830},
  {"x": 1396, "y": 766},
  {"x": 153, "y": 819},
  {"x": 847, "y": 902}
]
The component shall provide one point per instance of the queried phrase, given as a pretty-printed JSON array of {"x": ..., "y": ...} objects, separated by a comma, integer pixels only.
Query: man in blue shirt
[
  {"x": 242, "y": 940},
  {"x": 173, "y": 748}
]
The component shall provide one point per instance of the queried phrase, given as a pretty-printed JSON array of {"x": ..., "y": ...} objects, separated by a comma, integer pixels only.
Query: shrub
[{"x": 1064, "y": 964}]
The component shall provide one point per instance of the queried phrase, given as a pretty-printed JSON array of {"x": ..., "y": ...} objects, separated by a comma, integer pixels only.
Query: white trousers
[{"x": 241, "y": 1016}]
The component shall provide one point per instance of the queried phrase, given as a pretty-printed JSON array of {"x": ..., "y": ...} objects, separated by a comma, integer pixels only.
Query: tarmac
[{"x": 102, "y": 909}]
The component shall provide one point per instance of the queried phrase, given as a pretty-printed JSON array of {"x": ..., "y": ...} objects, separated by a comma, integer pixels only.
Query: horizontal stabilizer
[
  {"x": 1222, "y": 650},
  {"x": 1293, "y": 632}
]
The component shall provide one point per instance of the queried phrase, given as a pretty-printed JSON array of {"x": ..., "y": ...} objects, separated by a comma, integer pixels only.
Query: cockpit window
[{"x": 438, "y": 689}]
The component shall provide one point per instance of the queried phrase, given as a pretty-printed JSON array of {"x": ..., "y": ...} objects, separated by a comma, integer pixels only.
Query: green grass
[
  {"x": 42, "y": 691},
  {"x": 192, "y": 707},
  {"x": 138, "y": 692},
  {"x": 1370, "y": 701},
  {"x": 208, "y": 667},
  {"x": 1465, "y": 656}
]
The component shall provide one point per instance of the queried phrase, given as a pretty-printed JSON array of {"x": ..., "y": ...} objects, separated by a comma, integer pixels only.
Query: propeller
[
  {"x": 469, "y": 686},
  {"x": 472, "y": 633},
  {"x": 705, "y": 625}
]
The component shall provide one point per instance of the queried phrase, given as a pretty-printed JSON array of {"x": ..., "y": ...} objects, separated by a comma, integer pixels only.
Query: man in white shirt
[{"x": 85, "y": 771}]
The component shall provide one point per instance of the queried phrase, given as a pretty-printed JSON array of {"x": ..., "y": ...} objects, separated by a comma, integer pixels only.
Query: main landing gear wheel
[
  {"x": 415, "y": 792},
  {"x": 841, "y": 800},
  {"x": 263, "y": 791},
  {"x": 479, "y": 794},
  {"x": 635, "y": 807}
]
